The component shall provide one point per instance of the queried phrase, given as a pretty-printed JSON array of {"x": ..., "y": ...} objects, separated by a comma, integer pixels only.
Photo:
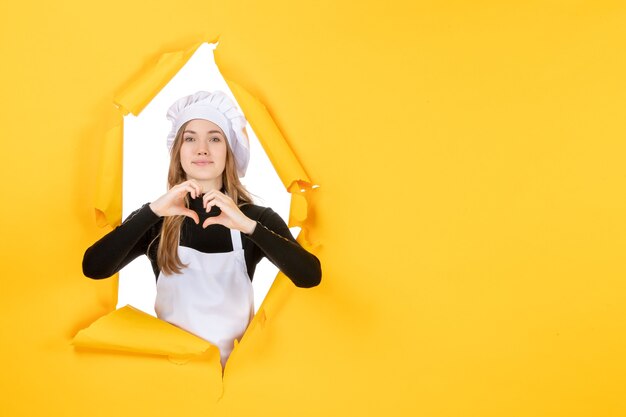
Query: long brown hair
[{"x": 167, "y": 254}]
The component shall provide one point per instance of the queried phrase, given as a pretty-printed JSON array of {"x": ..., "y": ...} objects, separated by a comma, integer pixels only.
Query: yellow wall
[{"x": 470, "y": 218}]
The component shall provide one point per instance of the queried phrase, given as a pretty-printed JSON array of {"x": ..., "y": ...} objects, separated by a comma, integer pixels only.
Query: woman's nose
[{"x": 203, "y": 148}]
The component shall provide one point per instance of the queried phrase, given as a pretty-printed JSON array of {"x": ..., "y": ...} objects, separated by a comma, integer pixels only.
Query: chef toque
[{"x": 218, "y": 108}]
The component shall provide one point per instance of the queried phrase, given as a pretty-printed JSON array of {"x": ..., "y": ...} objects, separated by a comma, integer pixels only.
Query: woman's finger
[
  {"x": 191, "y": 190},
  {"x": 190, "y": 213},
  {"x": 225, "y": 205},
  {"x": 208, "y": 222},
  {"x": 212, "y": 220},
  {"x": 183, "y": 189},
  {"x": 196, "y": 186},
  {"x": 208, "y": 197},
  {"x": 216, "y": 193},
  {"x": 189, "y": 186},
  {"x": 212, "y": 204},
  {"x": 212, "y": 201}
]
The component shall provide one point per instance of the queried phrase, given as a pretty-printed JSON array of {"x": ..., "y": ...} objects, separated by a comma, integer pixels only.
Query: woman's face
[{"x": 203, "y": 151}]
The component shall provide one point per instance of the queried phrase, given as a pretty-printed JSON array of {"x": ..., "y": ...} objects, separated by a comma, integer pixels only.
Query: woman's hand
[
  {"x": 230, "y": 217},
  {"x": 172, "y": 203}
]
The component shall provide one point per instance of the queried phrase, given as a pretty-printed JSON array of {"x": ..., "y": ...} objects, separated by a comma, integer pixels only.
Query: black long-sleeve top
[{"x": 139, "y": 234}]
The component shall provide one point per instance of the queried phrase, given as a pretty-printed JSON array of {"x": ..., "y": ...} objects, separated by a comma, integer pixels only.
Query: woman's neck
[{"x": 209, "y": 185}]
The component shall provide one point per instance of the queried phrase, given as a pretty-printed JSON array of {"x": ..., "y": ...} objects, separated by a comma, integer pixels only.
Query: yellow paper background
[{"x": 470, "y": 219}]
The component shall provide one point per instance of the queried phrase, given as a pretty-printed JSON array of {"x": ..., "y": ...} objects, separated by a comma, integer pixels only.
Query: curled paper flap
[
  {"x": 288, "y": 167},
  {"x": 299, "y": 206},
  {"x": 108, "y": 196},
  {"x": 278, "y": 150},
  {"x": 147, "y": 85},
  {"x": 131, "y": 330}
]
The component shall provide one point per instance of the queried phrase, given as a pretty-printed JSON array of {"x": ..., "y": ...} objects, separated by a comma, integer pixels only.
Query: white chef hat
[{"x": 218, "y": 108}]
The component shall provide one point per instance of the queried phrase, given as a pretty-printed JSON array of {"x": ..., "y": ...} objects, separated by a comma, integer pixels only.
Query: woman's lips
[{"x": 202, "y": 163}]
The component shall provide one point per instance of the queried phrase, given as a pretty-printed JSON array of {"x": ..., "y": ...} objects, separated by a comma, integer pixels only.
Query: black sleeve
[
  {"x": 120, "y": 246},
  {"x": 273, "y": 237}
]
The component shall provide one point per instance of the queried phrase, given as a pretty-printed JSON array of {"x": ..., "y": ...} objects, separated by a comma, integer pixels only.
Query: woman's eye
[
  {"x": 215, "y": 139},
  {"x": 188, "y": 139}
]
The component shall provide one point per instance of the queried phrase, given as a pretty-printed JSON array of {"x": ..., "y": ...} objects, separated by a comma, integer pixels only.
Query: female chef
[{"x": 204, "y": 236}]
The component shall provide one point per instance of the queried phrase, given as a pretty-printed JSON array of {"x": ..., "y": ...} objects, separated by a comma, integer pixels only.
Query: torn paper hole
[
  {"x": 144, "y": 147},
  {"x": 134, "y": 99}
]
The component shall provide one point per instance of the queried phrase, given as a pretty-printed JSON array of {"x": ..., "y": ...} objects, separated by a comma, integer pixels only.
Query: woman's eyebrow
[{"x": 211, "y": 131}]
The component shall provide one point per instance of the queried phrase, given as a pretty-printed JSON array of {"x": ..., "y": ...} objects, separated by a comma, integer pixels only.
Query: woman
[{"x": 204, "y": 237}]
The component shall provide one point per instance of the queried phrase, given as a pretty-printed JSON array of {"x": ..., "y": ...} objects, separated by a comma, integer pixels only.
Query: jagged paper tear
[
  {"x": 136, "y": 96},
  {"x": 278, "y": 151},
  {"x": 130, "y": 330},
  {"x": 108, "y": 195},
  {"x": 117, "y": 330}
]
